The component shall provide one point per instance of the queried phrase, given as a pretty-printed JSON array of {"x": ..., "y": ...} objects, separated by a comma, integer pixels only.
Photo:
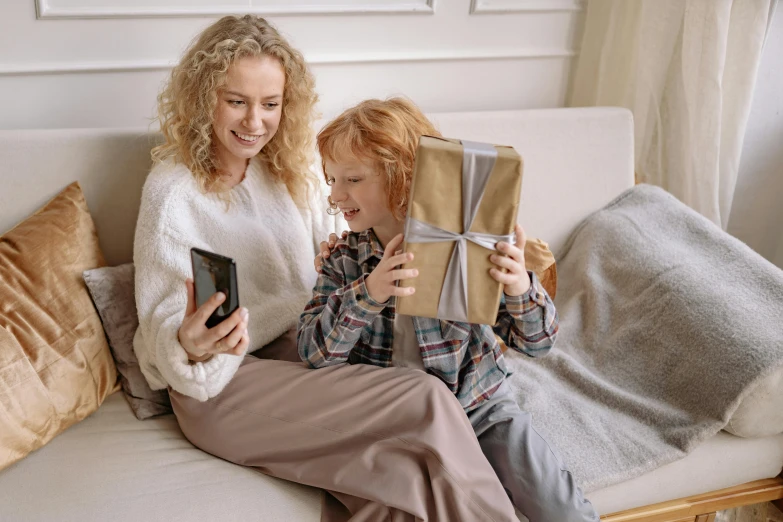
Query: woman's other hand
[
  {"x": 326, "y": 250},
  {"x": 200, "y": 342}
]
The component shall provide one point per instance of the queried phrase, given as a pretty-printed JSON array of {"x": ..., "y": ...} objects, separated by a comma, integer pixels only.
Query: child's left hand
[{"x": 516, "y": 279}]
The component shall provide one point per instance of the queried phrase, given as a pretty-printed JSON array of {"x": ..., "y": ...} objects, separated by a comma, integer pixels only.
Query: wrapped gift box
[{"x": 453, "y": 179}]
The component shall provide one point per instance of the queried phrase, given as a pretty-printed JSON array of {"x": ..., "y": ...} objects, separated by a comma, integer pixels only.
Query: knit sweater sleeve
[{"x": 162, "y": 261}]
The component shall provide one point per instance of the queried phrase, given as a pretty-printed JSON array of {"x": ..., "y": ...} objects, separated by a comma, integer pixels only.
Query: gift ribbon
[{"x": 478, "y": 159}]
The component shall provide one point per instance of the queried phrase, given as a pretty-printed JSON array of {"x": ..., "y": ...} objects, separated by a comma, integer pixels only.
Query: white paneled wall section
[
  {"x": 136, "y": 8},
  {"x": 101, "y": 63}
]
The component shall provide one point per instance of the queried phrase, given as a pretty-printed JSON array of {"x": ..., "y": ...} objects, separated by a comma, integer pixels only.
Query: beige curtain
[
  {"x": 686, "y": 69},
  {"x": 757, "y": 211}
]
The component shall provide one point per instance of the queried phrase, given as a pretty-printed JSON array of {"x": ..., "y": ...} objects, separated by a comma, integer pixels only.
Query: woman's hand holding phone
[{"x": 201, "y": 343}]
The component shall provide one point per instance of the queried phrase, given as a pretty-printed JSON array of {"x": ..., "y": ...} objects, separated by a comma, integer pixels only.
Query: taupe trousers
[{"x": 390, "y": 444}]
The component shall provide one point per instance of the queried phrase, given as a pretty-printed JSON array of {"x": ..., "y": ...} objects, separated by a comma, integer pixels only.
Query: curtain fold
[
  {"x": 757, "y": 211},
  {"x": 687, "y": 70}
]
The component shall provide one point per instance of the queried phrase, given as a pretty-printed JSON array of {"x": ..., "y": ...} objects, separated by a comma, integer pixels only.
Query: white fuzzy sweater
[{"x": 272, "y": 241}]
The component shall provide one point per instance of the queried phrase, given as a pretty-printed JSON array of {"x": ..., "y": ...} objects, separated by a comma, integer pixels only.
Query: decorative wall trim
[
  {"x": 44, "y": 10},
  {"x": 524, "y": 6},
  {"x": 315, "y": 60}
]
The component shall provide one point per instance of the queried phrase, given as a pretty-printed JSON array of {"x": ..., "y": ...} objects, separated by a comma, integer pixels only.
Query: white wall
[
  {"x": 104, "y": 67},
  {"x": 757, "y": 211}
]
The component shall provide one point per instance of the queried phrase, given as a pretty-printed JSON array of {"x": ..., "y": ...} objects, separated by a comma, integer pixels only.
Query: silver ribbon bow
[{"x": 478, "y": 159}]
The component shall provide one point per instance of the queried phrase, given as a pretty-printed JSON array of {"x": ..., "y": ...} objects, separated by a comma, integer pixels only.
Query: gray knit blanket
[{"x": 666, "y": 322}]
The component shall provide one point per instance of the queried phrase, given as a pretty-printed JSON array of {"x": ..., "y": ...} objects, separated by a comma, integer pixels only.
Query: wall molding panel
[
  {"x": 84, "y": 9},
  {"x": 524, "y": 6},
  {"x": 102, "y": 63},
  {"x": 379, "y": 58}
]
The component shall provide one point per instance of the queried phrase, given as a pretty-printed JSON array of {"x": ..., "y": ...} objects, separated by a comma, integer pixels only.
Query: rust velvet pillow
[
  {"x": 540, "y": 260},
  {"x": 55, "y": 364}
]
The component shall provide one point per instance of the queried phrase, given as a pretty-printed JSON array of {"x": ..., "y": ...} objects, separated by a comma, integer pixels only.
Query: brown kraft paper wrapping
[{"x": 436, "y": 198}]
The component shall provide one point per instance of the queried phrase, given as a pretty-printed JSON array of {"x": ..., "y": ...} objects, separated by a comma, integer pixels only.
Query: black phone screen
[{"x": 214, "y": 273}]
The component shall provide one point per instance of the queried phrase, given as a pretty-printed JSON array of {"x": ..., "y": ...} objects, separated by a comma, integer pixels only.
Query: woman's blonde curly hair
[{"x": 186, "y": 106}]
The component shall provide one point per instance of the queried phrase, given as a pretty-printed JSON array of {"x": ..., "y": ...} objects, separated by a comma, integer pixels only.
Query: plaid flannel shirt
[{"x": 342, "y": 323}]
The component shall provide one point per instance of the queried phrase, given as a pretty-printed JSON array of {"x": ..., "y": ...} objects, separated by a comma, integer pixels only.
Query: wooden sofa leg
[
  {"x": 778, "y": 504},
  {"x": 709, "y": 517}
]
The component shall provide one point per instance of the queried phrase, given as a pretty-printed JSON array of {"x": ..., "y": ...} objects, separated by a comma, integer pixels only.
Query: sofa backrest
[{"x": 575, "y": 161}]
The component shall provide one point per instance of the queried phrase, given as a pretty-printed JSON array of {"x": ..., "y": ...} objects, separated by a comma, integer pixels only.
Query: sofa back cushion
[
  {"x": 55, "y": 364},
  {"x": 109, "y": 164},
  {"x": 576, "y": 161}
]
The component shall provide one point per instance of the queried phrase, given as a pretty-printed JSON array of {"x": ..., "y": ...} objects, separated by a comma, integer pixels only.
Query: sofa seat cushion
[
  {"x": 112, "y": 466},
  {"x": 719, "y": 462}
]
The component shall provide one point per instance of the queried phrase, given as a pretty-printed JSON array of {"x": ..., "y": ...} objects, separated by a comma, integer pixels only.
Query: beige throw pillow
[
  {"x": 55, "y": 364},
  {"x": 760, "y": 414}
]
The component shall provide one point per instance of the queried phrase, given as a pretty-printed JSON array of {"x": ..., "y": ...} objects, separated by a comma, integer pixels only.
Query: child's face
[{"x": 359, "y": 191}]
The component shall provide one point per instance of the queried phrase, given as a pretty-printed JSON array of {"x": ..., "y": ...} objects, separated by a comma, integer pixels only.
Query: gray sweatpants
[{"x": 533, "y": 475}]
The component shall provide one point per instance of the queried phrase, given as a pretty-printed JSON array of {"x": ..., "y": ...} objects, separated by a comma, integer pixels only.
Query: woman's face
[{"x": 248, "y": 110}]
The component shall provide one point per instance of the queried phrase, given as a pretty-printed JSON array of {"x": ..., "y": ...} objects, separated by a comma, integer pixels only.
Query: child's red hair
[{"x": 385, "y": 132}]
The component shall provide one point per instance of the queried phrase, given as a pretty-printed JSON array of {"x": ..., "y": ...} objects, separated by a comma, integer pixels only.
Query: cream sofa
[{"x": 113, "y": 467}]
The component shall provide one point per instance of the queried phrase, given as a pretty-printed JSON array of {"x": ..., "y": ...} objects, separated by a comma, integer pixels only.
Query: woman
[{"x": 232, "y": 177}]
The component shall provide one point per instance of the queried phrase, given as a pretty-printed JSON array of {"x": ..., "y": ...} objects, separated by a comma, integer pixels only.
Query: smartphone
[{"x": 215, "y": 273}]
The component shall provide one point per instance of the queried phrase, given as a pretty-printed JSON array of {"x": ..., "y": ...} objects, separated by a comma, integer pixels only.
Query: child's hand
[
  {"x": 381, "y": 282},
  {"x": 516, "y": 280}
]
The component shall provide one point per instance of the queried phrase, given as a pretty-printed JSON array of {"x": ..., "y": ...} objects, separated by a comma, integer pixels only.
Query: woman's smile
[{"x": 246, "y": 139}]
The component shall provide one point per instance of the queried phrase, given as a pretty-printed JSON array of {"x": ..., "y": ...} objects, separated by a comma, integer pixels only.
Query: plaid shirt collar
[{"x": 369, "y": 246}]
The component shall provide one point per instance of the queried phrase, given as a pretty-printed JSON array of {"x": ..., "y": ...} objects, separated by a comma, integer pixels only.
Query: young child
[{"x": 368, "y": 156}]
